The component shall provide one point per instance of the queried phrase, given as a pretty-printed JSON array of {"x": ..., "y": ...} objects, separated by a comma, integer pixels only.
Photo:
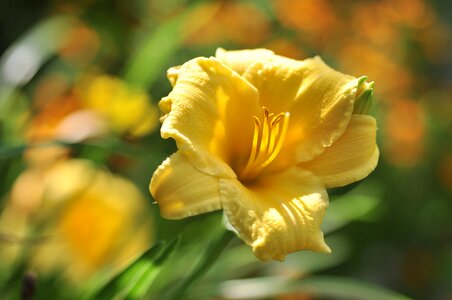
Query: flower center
[{"x": 268, "y": 138}]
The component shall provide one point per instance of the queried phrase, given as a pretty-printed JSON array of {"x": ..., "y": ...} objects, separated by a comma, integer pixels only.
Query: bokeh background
[{"x": 79, "y": 141}]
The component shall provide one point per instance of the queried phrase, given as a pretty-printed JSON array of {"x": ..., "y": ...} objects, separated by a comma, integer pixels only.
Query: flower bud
[{"x": 364, "y": 96}]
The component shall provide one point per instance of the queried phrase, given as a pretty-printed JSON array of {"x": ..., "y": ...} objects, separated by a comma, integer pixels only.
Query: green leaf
[
  {"x": 208, "y": 258},
  {"x": 316, "y": 286},
  {"x": 157, "y": 48},
  {"x": 135, "y": 280},
  {"x": 238, "y": 261},
  {"x": 346, "y": 209}
]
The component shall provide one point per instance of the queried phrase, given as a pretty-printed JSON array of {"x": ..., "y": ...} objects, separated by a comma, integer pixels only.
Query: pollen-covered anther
[{"x": 268, "y": 139}]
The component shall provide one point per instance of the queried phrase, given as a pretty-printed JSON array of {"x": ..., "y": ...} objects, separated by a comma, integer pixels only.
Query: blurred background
[{"x": 75, "y": 210}]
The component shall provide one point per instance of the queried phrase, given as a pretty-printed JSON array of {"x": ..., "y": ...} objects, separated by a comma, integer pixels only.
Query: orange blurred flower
[
  {"x": 286, "y": 47},
  {"x": 404, "y": 133},
  {"x": 44, "y": 125},
  {"x": 413, "y": 13},
  {"x": 394, "y": 80},
  {"x": 369, "y": 22},
  {"x": 80, "y": 46},
  {"x": 241, "y": 23},
  {"x": 315, "y": 18}
]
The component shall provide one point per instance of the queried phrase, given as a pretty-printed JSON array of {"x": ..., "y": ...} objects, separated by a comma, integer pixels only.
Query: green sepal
[{"x": 364, "y": 101}]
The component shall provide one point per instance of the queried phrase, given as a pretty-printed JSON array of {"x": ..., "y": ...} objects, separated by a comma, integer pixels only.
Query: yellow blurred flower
[
  {"x": 127, "y": 110},
  {"x": 97, "y": 105},
  {"x": 90, "y": 219},
  {"x": 262, "y": 136}
]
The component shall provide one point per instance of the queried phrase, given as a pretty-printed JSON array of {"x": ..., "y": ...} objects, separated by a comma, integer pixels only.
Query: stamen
[
  {"x": 255, "y": 144},
  {"x": 268, "y": 139}
]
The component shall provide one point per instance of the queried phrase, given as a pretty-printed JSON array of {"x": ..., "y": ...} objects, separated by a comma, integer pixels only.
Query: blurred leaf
[
  {"x": 254, "y": 288},
  {"x": 11, "y": 151},
  {"x": 345, "y": 288},
  {"x": 239, "y": 261},
  {"x": 317, "y": 286},
  {"x": 22, "y": 60},
  {"x": 346, "y": 209},
  {"x": 235, "y": 262},
  {"x": 305, "y": 262},
  {"x": 155, "y": 51},
  {"x": 135, "y": 280},
  {"x": 208, "y": 258}
]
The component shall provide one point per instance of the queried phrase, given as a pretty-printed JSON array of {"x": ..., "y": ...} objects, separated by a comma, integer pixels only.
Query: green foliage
[
  {"x": 157, "y": 48},
  {"x": 388, "y": 231},
  {"x": 208, "y": 259},
  {"x": 135, "y": 281},
  {"x": 346, "y": 209}
]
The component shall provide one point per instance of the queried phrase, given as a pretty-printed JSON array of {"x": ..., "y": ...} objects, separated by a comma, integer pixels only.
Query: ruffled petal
[
  {"x": 351, "y": 158},
  {"x": 181, "y": 190},
  {"x": 322, "y": 108},
  {"x": 240, "y": 60},
  {"x": 277, "y": 214},
  {"x": 210, "y": 115}
]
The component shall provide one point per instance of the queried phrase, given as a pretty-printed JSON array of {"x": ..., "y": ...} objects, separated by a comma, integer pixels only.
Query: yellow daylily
[
  {"x": 262, "y": 136},
  {"x": 84, "y": 220},
  {"x": 101, "y": 223},
  {"x": 127, "y": 110}
]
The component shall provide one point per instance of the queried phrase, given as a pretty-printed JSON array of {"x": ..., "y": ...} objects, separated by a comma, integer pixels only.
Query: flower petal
[
  {"x": 278, "y": 80},
  {"x": 209, "y": 114},
  {"x": 181, "y": 190},
  {"x": 351, "y": 158},
  {"x": 322, "y": 108},
  {"x": 319, "y": 99},
  {"x": 277, "y": 214},
  {"x": 240, "y": 60}
]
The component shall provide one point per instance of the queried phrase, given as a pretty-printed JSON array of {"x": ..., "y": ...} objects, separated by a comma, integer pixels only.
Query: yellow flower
[
  {"x": 102, "y": 222},
  {"x": 89, "y": 219},
  {"x": 262, "y": 136},
  {"x": 127, "y": 110}
]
